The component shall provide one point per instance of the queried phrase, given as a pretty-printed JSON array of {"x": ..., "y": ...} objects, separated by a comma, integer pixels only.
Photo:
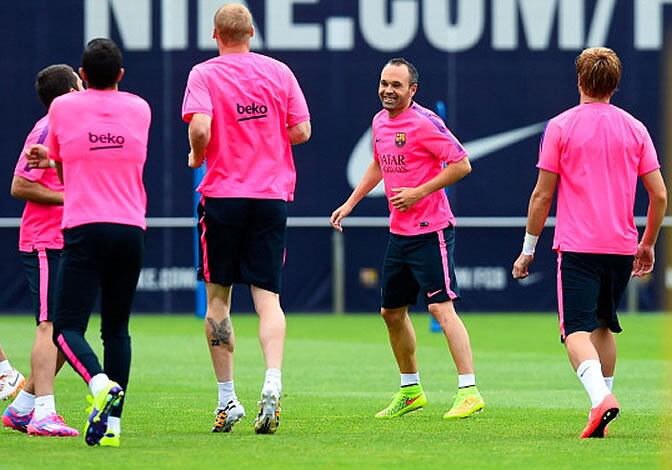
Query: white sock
[
  {"x": 226, "y": 392},
  {"x": 609, "y": 382},
  {"x": 589, "y": 373},
  {"x": 24, "y": 403},
  {"x": 466, "y": 380},
  {"x": 98, "y": 383},
  {"x": 5, "y": 367},
  {"x": 410, "y": 379},
  {"x": 273, "y": 380},
  {"x": 114, "y": 425},
  {"x": 44, "y": 406}
]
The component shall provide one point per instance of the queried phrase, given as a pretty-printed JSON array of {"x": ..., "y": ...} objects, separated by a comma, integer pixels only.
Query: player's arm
[
  {"x": 537, "y": 213},
  {"x": 38, "y": 157},
  {"x": 655, "y": 187},
  {"x": 199, "y": 138},
  {"x": 299, "y": 133},
  {"x": 407, "y": 197},
  {"x": 372, "y": 176},
  {"x": 35, "y": 192}
]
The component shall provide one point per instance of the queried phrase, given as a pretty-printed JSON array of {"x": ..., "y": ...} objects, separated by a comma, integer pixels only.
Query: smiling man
[{"x": 417, "y": 157}]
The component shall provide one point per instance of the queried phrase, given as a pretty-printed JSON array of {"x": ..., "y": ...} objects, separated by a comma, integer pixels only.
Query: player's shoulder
[
  {"x": 428, "y": 118},
  {"x": 626, "y": 116},
  {"x": 134, "y": 100}
]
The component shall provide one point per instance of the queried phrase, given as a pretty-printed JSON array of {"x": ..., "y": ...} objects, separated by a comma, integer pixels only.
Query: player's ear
[
  {"x": 121, "y": 74},
  {"x": 413, "y": 89},
  {"x": 251, "y": 31},
  {"x": 82, "y": 74}
]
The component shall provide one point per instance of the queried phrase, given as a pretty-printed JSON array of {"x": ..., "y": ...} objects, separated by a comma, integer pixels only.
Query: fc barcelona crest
[{"x": 400, "y": 139}]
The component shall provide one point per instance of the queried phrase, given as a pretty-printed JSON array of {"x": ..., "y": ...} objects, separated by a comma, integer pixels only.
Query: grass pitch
[{"x": 338, "y": 372}]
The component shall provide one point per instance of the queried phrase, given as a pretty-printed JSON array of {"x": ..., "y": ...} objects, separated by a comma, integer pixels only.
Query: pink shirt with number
[
  {"x": 100, "y": 136},
  {"x": 598, "y": 150},
  {"x": 252, "y": 99},
  {"x": 411, "y": 149},
  {"x": 40, "y": 223}
]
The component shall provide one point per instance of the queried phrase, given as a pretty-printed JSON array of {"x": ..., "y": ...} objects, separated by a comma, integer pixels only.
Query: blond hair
[
  {"x": 233, "y": 23},
  {"x": 599, "y": 71}
]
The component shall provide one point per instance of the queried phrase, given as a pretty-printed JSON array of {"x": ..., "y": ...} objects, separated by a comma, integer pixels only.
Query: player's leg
[
  {"x": 399, "y": 290},
  {"x": 432, "y": 263},
  {"x": 579, "y": 279},
  {"x": 604, "y": 341},
  {"x": 221, "y": 229},
  {"x": 79, "y": 279},
  {"x": 261, "y": 267},
  {"x": 35, "y": 405},
  {"x": 120, "y": 278}
]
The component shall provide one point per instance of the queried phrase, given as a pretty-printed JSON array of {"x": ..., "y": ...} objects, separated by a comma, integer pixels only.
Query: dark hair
[
  {"x": 54, "y": 81},
  {"x": 599, "y": 71},
  {"x": 102, "y": 62},
  {"x": 414, "y": 76}
]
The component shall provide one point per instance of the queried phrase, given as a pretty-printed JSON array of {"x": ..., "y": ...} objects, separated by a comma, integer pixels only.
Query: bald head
[{"x": 233, "y": 24}]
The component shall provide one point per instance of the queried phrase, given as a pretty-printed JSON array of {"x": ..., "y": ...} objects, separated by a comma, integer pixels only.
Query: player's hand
[
  {"x": 38, "y": 156},
  {"x": 521, "y": 265},
  {"x": 644, "y": 261},
  {"x": 193, "y": 161},
  {"x": 405, "y": 198},
  {"x": 338, "y": 215}
]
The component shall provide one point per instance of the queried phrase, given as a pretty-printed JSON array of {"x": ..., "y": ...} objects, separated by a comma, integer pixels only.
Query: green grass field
[{"x": 338, "y": 372}]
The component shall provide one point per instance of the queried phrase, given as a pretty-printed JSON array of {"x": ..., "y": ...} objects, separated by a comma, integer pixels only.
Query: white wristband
[
  {"x": 52, "y": 164},
  {"x": 529, "y": 244}
]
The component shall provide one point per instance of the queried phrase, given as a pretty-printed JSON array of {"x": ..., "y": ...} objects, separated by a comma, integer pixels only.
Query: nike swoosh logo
[
  {"x": 432, "y": 294},
  {"x": 16, "y": 380},
  {"x": 360, "y": 158},
  {"x": 410, "y": 401},
  {"x": 531, "y": 279}
]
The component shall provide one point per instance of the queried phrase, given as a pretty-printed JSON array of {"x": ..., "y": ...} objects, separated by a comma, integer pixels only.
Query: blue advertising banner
[{"x": 499, "y": 68}]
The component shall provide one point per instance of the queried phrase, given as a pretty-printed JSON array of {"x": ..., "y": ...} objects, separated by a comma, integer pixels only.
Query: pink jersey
[
  {"x": 598, "y": 151},
  {"x": 40, "y": 223},
  {"x": 252, "y": 99},
  {"x": 411, "y": 149},
  {"x": 100, "y": 136}
]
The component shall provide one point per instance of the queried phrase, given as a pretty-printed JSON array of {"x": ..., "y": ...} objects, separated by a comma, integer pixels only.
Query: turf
[{"x": 338, "y": 372}]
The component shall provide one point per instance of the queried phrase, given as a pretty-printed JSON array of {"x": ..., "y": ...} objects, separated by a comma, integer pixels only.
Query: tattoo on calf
[{"x": 221, "y": 332}]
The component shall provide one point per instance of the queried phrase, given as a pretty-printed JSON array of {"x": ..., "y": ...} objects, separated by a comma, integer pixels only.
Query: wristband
[
  {"x": 529, "y": 244},
  {"x": 52, "y": 163}
]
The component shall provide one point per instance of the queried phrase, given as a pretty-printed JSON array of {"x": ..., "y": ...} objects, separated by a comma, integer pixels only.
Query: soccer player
[
  {"x": 244, "y": 110},
  {"x": 98, "y": 141},
  {"x": 11, "y": 380},
  {"x": 40, "y": 243},
  {"x": 417, "y": 157},
  {"x": 593, "y": 154}
]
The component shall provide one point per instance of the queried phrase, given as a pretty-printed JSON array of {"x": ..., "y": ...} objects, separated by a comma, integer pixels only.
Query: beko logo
[
  {"x": 251, "y": 111},
  {"x": 106, "y": 141}
]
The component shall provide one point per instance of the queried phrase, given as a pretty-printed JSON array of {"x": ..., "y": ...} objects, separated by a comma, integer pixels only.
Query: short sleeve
[
  {"x": 52, "y": 136},
  {"x": 649, "y": 158},
  {"x": 197, "y": 99},
  {"x": 297, "y": 108},
  {"x": 22, "y": 169},
  {"x": 549, "y": 148},
  {"x": 439, "y": 141}
]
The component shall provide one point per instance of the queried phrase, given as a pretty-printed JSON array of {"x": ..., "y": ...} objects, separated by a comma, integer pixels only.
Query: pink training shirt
[
  {"x": 40, "y": 223},
  {"x": 100, "y": 136},
  {"x": 252, "y": 99},
  {"x": 411, "y": 149},
  {"x": 598, "y": 150}
]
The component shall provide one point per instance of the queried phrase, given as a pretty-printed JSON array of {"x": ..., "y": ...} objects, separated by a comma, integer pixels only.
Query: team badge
[{"x": 400, "y": 139}]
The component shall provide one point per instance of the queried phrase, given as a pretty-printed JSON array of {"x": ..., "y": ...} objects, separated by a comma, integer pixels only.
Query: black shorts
[
  {"x": 41, "y": 268},
  {"x": 590, "y": 287},
  {"x": 419, "y": 264},
  {"x": 242, "y": 241}
]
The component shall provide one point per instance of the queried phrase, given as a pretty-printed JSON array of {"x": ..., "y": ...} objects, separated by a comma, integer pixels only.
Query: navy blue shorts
[
  {"x": 590, "y": 287},
  {"x": 41, "y": 268},
  {"x": 242, "y": 241},
  {"x": 419, "y": 264}
]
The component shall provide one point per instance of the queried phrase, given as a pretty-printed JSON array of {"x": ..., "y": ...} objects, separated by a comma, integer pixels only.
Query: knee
[
  {"x": 393, "y": 316},
  {"x": 45, "y": 328}
]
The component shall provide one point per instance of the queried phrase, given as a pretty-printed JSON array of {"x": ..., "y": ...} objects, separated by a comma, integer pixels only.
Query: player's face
[
  {"x": 80, "y": 85},
  {"x": 394, "y": 89}
]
